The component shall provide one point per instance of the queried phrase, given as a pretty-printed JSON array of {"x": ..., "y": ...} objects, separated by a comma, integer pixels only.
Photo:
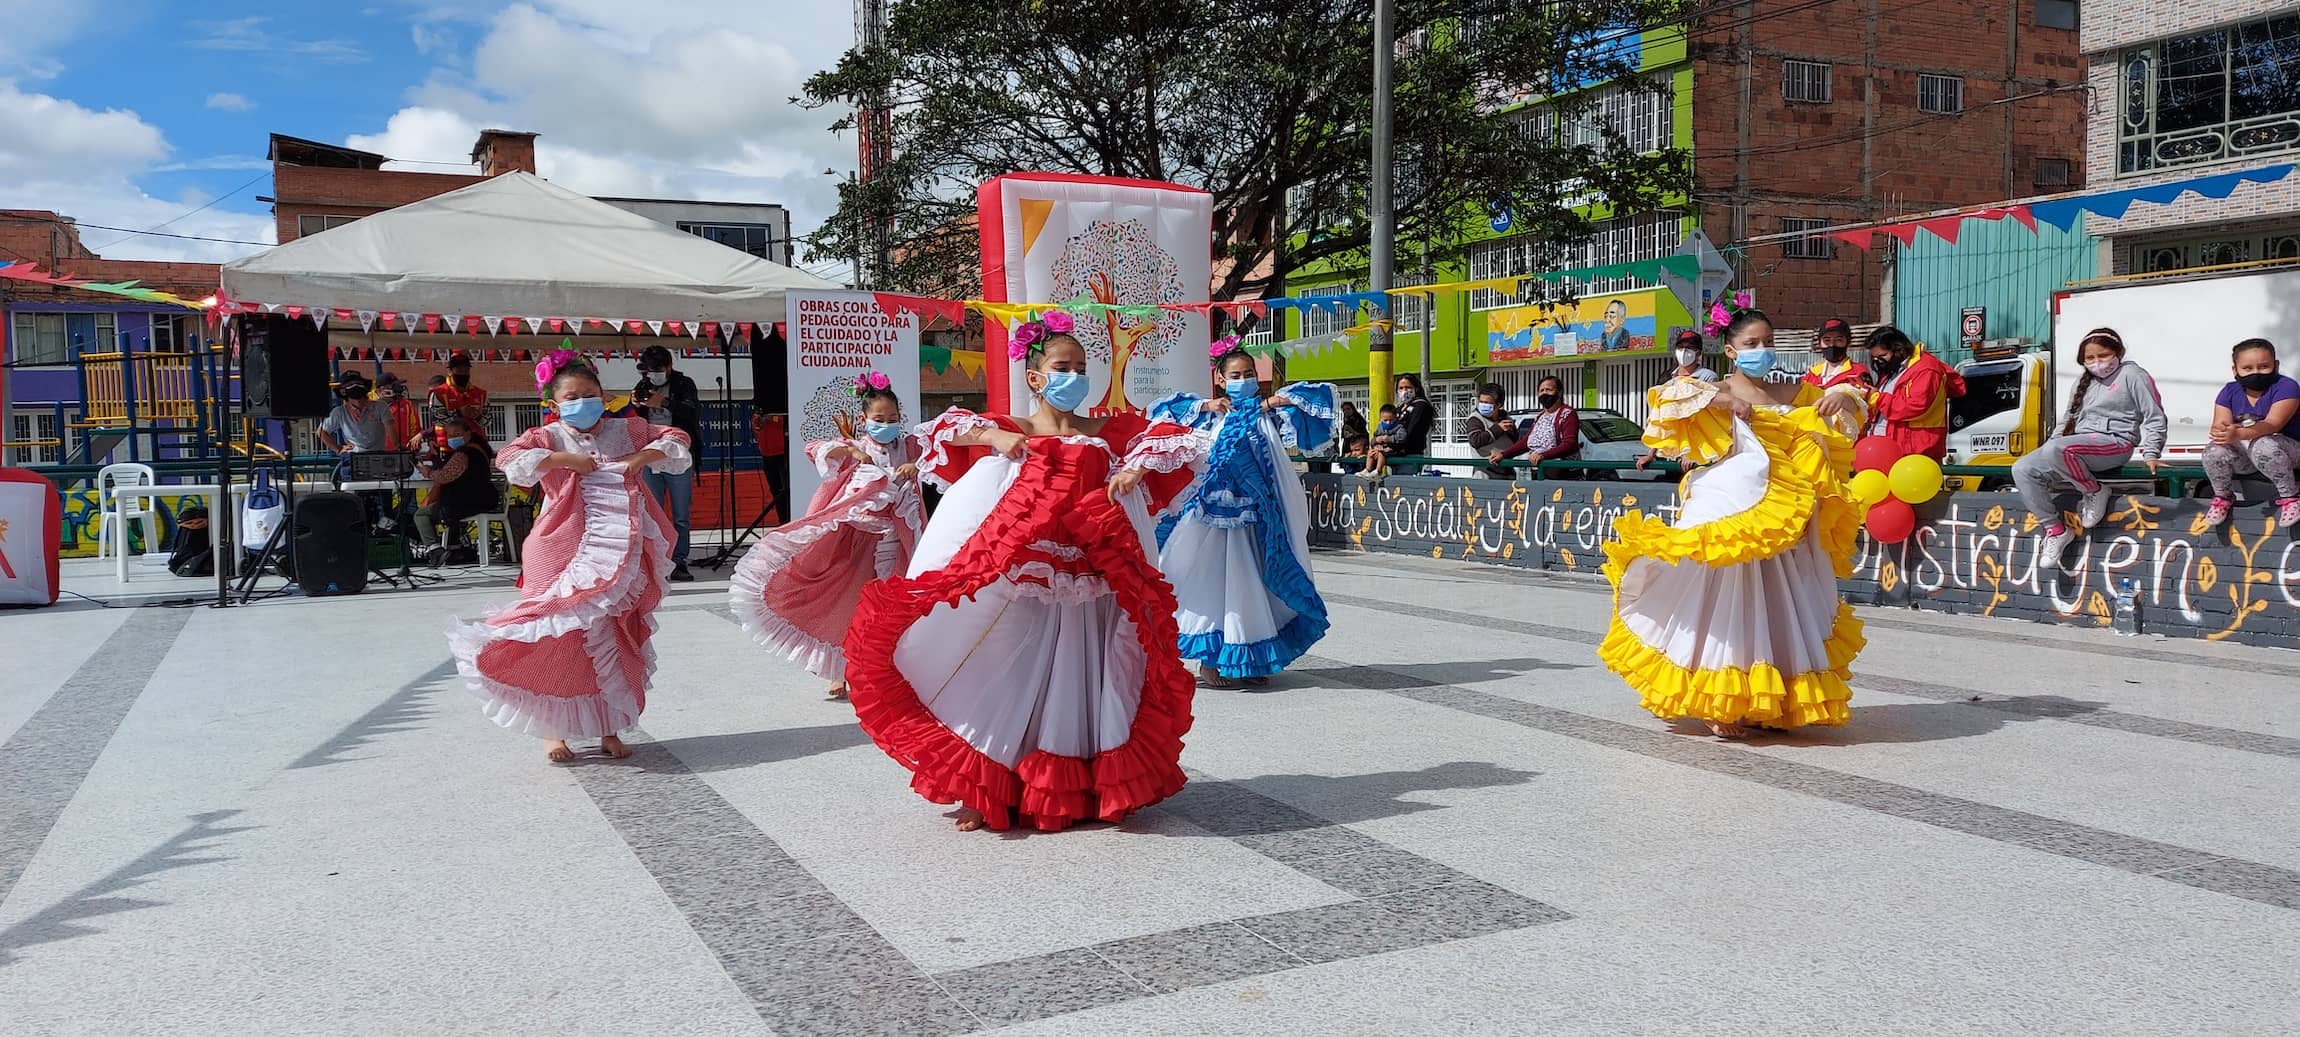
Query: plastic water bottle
[{"x": 2128, "y": 608}]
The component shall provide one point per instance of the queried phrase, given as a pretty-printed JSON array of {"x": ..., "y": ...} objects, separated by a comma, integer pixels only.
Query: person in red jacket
[
  {"x": 1911, "y": 405},
  {"x": 1836, "y": 366}
]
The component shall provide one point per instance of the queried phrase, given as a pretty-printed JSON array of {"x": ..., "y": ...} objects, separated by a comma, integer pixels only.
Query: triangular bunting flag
[
  {"x": 1944, "y": 228},
  {"x": 677, "y": 328},
  {"x": 366, "y": 321},
  {"x": 430, "y": 323},
  {"x": 294, "y": 312},
  {"x": 494, "y": 324},
  {"x": 454, "y": 321},
  {"x": 318, "y": 317},
  {"x": 710, "y": 329},
  {"x": 531, "y": 325},
  {"x": 1859, "y": 239},
  {"x": 2022, "y": 214},
  {"x": 654, "y": 327},
  {"x": 743, "y": 328}
]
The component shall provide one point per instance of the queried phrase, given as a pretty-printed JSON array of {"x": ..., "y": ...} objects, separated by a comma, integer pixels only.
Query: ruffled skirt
[
  {"x": 1233, "y": 614},
  {"x": 1027, "y": 668},
  {"x": 796, "y": 590},
  {"x": 1731, "y": 614}
]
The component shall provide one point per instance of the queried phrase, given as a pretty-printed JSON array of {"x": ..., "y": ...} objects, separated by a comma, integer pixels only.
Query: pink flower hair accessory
[
  {"x": 872, "y": 381},
  {"x": 1221, "y": 347},
  {"x": 1032, "y": 334},
  {"x": 1058, "y": 322},
  {"x": 551, "y": 364}
]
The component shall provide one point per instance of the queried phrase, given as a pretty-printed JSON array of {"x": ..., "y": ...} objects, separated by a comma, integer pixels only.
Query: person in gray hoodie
[{"x": 2114, "y": 412}]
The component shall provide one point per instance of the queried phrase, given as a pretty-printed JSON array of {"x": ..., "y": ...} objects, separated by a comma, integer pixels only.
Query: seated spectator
[
  {"x": 1355, "y": 446},
  {"x": 1550, "y": 433},
  {"x": 1491, "y": 430},
  {"x": 2252, "y": 433},
  {"x": 1353, "y": 420},
  {"x": 1377, "y": 445},
  {"x": 1409, "y": 435},
  {"x": 464, "y": 486}
]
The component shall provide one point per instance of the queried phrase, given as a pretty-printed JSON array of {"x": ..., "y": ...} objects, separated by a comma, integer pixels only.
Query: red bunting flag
[
  {"x": 1859, "y": 239},
  {"x": 1945, "y": 227}
]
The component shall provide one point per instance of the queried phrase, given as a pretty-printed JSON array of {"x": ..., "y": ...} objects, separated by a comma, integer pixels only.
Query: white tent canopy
[{"x": 515, "y": 245}]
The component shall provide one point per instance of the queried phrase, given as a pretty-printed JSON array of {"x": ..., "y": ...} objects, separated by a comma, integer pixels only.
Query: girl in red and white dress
[
  {"x": 1026, "y": 668},
  {"x": 797, "y": 588},
  {"x": 570, "y": 658}
]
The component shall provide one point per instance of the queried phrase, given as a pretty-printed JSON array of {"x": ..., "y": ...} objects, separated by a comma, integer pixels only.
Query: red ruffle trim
[{"x": 1058, "y": 497}]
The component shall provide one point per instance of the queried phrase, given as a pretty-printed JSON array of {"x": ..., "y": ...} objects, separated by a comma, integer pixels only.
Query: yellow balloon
[
  {"x": 1871, "y": 487},
  {"x": 1916, "y": 478}
]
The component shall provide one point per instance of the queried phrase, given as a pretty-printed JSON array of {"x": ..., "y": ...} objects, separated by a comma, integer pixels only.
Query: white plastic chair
[
  {"x": 479, "y": 525},
  {"x": 113, "y": 516}
]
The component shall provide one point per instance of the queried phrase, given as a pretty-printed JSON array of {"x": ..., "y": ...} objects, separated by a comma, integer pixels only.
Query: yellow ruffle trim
[
  {"x": 1805, "y": 483},
  {"x": 1760, "y": 696}
]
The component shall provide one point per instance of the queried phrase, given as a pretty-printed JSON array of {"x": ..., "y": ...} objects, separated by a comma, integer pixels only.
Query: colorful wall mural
[
  {"x": 1592, "y": 327},
  {"x": 1972, "y": 553}
]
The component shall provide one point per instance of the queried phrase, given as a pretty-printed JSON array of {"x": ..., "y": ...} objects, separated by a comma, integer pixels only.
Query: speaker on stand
[{"x": 283, "y": 376}]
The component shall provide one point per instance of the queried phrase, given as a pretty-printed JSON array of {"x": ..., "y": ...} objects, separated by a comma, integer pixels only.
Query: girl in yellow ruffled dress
[{"x": 1729, "y": 614}]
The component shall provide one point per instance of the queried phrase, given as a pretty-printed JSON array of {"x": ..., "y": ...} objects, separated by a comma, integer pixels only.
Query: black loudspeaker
[
  {"x": 283, "y": 367},
  {"x": 328, "y": 541}
]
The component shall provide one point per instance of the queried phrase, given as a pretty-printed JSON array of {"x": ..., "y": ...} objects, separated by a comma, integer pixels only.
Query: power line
[
  {"x": 155, "y": 227},
  {"x": 132, "y": 232}
]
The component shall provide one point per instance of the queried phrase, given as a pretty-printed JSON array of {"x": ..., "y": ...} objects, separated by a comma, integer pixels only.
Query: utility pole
[{"x": 1381, "y": 359}]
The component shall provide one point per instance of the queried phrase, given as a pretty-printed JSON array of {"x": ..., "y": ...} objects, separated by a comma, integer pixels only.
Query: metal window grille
[
  {"x": 1806, "y": 82},
  {"x": 2052, "y": 172},
  {"x": 1940, "y": 95},
  {"x": 1805, "y": 248},
  {"x": 2210, "y": 97}
]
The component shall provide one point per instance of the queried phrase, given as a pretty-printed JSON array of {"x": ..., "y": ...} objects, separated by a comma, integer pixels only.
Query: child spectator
[{"x": 2252, "y": 433}]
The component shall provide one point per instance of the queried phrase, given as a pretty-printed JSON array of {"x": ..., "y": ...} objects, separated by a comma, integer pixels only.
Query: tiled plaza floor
[{"x": 290, "y": 819}]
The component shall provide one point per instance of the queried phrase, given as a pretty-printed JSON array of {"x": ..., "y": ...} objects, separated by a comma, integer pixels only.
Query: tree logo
[{"x": 1119, "y": 262}]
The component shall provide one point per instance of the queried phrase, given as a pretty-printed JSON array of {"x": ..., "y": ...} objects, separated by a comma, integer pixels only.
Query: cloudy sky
[{"x": 144, "y": 114}]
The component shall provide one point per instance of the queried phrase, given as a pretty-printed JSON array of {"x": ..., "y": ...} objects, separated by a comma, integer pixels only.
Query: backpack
[
  {"x": 192, "y": 554},
  {"x": 264, "y": 514}
]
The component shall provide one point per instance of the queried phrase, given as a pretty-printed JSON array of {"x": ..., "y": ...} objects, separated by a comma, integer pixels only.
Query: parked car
[{"x": 1609, "y": 435}]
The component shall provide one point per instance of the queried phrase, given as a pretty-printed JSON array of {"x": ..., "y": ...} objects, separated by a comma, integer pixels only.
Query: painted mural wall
[{"x": 1972, "y": 553}]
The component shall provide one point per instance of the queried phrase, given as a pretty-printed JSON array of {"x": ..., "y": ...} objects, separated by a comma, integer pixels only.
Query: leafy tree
[{"x": 1252, "y": 100}]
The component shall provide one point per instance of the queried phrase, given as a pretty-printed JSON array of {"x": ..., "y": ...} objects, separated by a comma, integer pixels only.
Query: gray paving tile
[
  {"x": 1370, "y": 873},
  {"x": 916, "y": 1007},
  {"x": 842, "y": 963},
  {"x": 1198, "y": 956},
  {"x": 775, "y": 923},
  {"x": 1325, "y": 841},
  {"x": 44, "y": 762},
  {"x": 1334, "y": 932},
  {"x": 738, "y": 882},
  {"x": 1470, "y": 908},
  {"x": 2252, "y": 881},
  {"x": 2066, "y": 839},
  {"x": 1037, "y": 987}
]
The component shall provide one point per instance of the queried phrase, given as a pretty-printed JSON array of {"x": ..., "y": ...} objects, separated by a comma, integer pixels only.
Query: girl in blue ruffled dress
[{"x": 1238, "y": 551}]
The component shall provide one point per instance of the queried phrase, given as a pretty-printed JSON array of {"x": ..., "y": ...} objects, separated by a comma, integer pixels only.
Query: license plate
[{"x": 1989, "y": 444}]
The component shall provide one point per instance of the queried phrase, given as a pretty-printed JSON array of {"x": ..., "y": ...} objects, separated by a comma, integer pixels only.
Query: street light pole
[{"x": 1380, "y": 355}]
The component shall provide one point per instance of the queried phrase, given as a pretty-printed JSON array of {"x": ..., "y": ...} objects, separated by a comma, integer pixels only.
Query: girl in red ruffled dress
[
  {"x": 797, "y": 588},
  {"x": 570, "y": 659},
  {"x": 1026, "y": 668}
]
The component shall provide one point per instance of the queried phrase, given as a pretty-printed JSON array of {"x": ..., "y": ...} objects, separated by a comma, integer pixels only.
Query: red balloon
[
  {"x": 1875, "y": 452},
  {"x": 1891, "y": 520}
]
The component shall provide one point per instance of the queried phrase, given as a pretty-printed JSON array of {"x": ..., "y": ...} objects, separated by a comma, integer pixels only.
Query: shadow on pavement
[
  {"x": 63, "y": 920},
  {"x": 706, "y": 753},
  {"x": 1412, "y": 675},
  {"x": 1904, "y": 723}
]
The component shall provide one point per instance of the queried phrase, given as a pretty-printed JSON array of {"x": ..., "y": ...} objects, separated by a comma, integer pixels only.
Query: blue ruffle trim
[
  {"x": 1309, "y": 425},
  {"x": 1182, "y": 409},
  {"x": 1260, "y": 659}
]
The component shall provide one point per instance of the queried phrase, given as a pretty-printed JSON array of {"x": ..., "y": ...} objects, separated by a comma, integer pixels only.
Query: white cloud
[
  {"x": 250, "y": 34},
  {"x": 44, "y": 136},
  {"x": 33, "y": 28},
  {"x": 674, "y": 98},
  {"x": 60, "y": 156},
  {"x": 229, "y": 102}
]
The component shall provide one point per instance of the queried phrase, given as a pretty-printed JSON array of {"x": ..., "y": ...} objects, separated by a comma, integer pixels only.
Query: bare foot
[
  {"x": 559, "y": 753},
  {"x": 838, "y": 691},
  {"x": 1726, "y": 730},
  {"x": 969, "y": 820},
  {"x": 1214, "y": 679},
  {"x": 615, "y": 748},
  {"x": 1259, "y": 682}
]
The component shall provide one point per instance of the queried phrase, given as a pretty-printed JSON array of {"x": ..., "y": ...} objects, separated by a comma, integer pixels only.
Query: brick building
[
  {"x": 2186, "y": 90},
  {"x": 1809, "y": 115}
]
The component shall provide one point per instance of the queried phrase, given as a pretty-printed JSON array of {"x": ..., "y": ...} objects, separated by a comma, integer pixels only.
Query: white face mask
[
  {"x": 1688, "y": 357},
  {"x": 658, "y": 377}
]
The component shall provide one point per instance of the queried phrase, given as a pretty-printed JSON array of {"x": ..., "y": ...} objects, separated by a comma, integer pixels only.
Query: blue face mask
[
  {"x": 884, "y": 432},
  {"x": 1486, "y": 410},
  {"x": 1756, "y": 363},
  {"x": 1065, "y": 391},
  {"x": 583, "y": 413},
  {"x": 1242, "y": 389},
  {"x": 456, "y": 442}
]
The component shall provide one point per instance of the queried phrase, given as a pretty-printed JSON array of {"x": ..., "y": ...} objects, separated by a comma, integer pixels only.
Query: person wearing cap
[
  {"x": 1686, "y": 350},
  {"x": 666, "y": 397},
  {"x": 356, "y": 425},
  {"x": 459, "y": 397},
  {"x": 1837, "y": 366},
  {"x": 403, "y": 420}
]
